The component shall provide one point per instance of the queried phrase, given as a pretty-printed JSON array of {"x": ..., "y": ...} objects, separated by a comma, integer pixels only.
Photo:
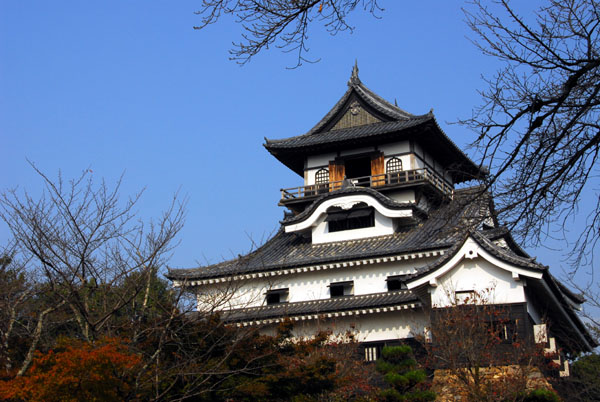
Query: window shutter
[
  {"x": 377, "y": 170},
  {"x": 336, "y": 173}
]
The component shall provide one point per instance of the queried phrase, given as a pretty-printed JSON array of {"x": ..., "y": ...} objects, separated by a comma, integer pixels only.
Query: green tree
[{"x": 407, "y": 382}]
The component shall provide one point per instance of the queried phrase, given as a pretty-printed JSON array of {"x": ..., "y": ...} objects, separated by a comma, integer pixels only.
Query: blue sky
[{"x": 129, "y": 86}]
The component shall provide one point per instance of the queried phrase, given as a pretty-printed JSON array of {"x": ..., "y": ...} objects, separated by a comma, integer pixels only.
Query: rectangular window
[
  {"x": 355, "y": 218},
  {"x": 371, "y": 353},
  {"x": 396, "y": 282},
  {"x": 277, "y": 296},
  {"x": 339, "y": 289},
  {"x": 465, "y": 297}
]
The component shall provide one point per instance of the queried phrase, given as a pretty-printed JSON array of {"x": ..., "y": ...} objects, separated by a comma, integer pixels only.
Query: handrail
[{"x": 385, "y": 179}]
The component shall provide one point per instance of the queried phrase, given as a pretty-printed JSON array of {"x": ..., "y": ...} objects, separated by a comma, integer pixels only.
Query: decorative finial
[{"x": 354, "y": 77}]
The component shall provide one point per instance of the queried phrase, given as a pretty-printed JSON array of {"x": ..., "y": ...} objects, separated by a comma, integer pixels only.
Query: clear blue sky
[{"x": 129, "y": 86}]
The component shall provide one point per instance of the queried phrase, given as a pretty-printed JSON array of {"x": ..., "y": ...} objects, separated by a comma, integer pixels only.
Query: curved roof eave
[
  {"x": 384, "y": 200},
  {"x": 520, "y": 262}
]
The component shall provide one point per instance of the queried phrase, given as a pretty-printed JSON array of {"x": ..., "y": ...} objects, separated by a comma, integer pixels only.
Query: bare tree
[
  {"x": 478, "y": 352},
  {"x": 538, "y": 126},
  {"x": 282, "y": 23},
  {"x": 84, "y": 246}
]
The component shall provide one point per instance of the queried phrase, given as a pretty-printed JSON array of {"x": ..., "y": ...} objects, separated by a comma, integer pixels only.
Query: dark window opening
[
  {"x": 358, "y": 167},
  {"x": 356, "y": 218},
  {"x": 396, "y": 283},
  {"x": 339, "y": 289},
  {"x": 277, "y": 296}
]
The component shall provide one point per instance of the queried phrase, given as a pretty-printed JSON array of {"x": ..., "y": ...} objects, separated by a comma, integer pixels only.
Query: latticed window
[
  {"x": 322, "y": 176},
  {"x": 393, "y": 165}
]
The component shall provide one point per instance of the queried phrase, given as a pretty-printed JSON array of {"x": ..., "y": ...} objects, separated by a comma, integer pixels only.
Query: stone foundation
[{"x": 495, "y": 383}]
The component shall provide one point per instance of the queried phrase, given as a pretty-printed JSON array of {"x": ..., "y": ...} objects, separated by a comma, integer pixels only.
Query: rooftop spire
[{"x": 354, "y": 77}]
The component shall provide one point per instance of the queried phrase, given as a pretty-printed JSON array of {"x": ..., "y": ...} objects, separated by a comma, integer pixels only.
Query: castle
[{"x": 380, "y": 235}]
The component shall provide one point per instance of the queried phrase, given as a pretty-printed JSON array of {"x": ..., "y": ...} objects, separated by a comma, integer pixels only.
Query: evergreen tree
[{"x": 406, "y": 380}]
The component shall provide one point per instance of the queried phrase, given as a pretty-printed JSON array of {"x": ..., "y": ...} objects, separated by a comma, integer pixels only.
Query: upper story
[{"x": 366, "y": 141}]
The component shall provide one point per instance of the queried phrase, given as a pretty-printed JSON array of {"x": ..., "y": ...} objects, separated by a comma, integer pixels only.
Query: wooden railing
[{"x": 404, "y": 177}]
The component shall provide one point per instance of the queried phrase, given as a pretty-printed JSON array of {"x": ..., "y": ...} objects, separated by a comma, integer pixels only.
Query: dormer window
[
  {"x": 277, "y": 296},
  {"x": 358, "y": 217},
  {"x": 340, "y": 289}
]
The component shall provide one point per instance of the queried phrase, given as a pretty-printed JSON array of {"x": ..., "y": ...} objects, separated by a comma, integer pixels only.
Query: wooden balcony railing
[{"x": 404, "y": 177}]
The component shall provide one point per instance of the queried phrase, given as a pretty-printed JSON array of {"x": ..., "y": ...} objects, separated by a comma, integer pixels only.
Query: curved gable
[{"x": 346, "y": 200}]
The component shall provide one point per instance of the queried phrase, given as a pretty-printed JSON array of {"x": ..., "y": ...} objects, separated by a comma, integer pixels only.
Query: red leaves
[{"x": 74, "y": 372}]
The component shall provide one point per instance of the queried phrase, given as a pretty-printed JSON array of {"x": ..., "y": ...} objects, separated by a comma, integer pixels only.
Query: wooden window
[
  {"x": 322, "y": 181},
  {"x": 277, "y": 296},
  {"x": 393, "y": 169},
  {"x": 371, "y": 353},
  {"x": 339, "y": 289},
  {"x": 322, "y": 176},
  {"x": 393, "y": 165}
]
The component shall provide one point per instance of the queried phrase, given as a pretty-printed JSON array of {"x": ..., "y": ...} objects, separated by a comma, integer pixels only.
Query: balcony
[{"x": 402, "y": 178}]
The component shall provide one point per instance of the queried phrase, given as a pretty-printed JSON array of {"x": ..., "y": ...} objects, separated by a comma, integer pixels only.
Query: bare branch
[{"x": 281, "y": 23}]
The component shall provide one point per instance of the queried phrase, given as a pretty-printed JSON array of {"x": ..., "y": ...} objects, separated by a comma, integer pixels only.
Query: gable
[{"x": 355, "y": 115}]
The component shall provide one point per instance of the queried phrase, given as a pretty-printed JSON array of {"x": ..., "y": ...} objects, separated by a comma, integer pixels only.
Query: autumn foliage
[{"x": 76, "y": 371}]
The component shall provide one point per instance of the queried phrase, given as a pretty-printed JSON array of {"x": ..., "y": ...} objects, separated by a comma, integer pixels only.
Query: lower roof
[
  {"x": 370, "y": 303},
  {"x": 442, "y": 229}
]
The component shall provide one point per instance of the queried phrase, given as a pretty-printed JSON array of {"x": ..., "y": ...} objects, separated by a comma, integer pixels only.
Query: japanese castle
[{"x": 378, "y": 236}]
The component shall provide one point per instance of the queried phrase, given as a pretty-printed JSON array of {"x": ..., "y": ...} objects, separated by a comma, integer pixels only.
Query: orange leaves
[{"x": 74, "y": 372}]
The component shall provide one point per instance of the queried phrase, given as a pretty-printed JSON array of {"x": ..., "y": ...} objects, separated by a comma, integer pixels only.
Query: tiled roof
[
  {"x": 483, "y": 239},
  {"x": 442, "y": 229},
  {"x": 384, "y": 200},
  {"x": 369, "y": 130},
  {"x": 507, "y": 254},
  {"x": 568, "y": 292},
  {"x": 322, "y": 306},
  {"x": 396, "y": 125},
  {"x": 378, "y": 103}
]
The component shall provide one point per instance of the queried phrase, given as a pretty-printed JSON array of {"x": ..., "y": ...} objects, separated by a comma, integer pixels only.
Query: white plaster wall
[
  {"x": 320, "y": 160},
  {"x": 367, "y": 328},
  {"x": 383, "y": 226},
  {"x": 479, "y": 275},
  {"x": 404, "y": 158},
  {"x": 418, "y": 163},
  {"x": 310, "y": 175},
  {"x": 395, "y": 148},
  {"x": 405, "y": 195},
  {"x": 310, "y": 285}
]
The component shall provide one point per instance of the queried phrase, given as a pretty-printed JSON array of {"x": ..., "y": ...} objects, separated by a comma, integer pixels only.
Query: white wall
[
  {"x": 314, "y": 161},
  {"x": 481, "y": 276},
  {"x": 307, "y": 286},
  {"x": 368, "y": 327},
  {"x": 320, "y": 233}
]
